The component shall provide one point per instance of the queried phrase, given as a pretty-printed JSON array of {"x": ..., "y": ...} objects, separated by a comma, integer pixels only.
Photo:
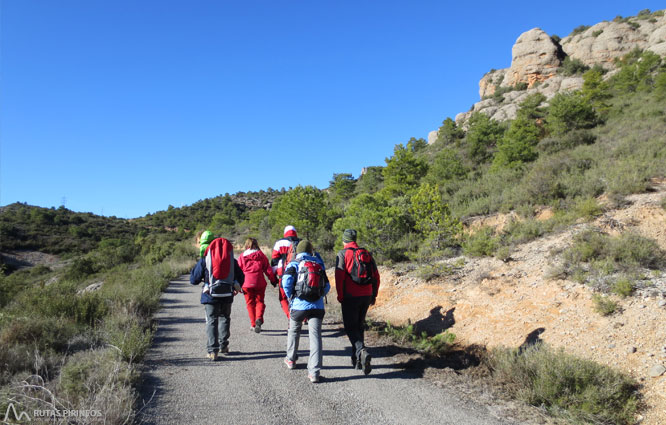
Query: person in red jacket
[
  {"x": 355, "y": 298},
  {"x": 279, "y": 260},
  {"x": 255, "y": 265}
]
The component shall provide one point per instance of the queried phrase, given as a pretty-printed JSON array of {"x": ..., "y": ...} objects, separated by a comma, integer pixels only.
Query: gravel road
[{"x": 251, "y": 385}]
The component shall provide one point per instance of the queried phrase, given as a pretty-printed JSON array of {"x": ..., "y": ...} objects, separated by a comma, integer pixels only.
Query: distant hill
[{"x": 58, "y": 231}]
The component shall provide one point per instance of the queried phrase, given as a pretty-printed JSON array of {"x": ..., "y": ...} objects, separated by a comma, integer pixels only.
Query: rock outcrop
[
  {"x": 607, "y": 41},
  {"x": 537, "y": 57}
]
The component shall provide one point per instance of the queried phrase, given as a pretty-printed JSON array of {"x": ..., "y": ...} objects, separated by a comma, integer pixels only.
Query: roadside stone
[
  {"x": 91, "y": 288},
  {"x": 662, "y": 303},
  {"x": 657, "y": 370},
  {"x": 631, "y": 350}
]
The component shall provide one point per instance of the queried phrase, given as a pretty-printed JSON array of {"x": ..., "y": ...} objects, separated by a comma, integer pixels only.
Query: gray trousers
[
  {"x": 314, "y": 334},
  {"x": 218, "y": 322}
]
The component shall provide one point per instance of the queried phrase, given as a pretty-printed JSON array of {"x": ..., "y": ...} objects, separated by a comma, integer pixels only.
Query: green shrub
[
  {"x": 572, "y": 66},
  {"x": 604, "y": 305},
  {"x": 432, "y": 271},
  {"x": 406, "y": 335},
  {"x": 41, "y": 333},
  {"x": 521, "y": 231},
  {"x": 482, "y": 137},
  {"x": 632, "y": 249},
  {"x": 623, "y": 287},
  {"x": 503, "y": 253},
  {"x": 570, "y": 111},
  {"x": 87, "y": 373},
  {"x": 566, "y": 141},
  {"x": 62, "y": 301},
  {"x": 604, "y": 255},
  {"x": 588, "y": 208},
  {"x": 131, "y": 338},
  {"x": 483, "y": 242},
  {"x": 100, "y": 380},
  {"x": 566, "y": 385},
  {"x": 587, "y": 246},
  {"x": 578, "y": 30}
]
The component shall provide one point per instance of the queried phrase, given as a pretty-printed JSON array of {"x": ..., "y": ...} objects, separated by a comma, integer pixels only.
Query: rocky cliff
[{"x": 537, "y": 57}]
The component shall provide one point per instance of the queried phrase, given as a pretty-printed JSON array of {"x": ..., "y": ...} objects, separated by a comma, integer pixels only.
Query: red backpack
[
  {"x": 290, "y": 255},
  {"x": 363, "y": 267},
  {"x": 220, "y": 266},
  {"x": 310, "y": 281}
]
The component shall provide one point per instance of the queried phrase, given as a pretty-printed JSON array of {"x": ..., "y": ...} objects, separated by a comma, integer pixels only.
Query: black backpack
[{"x": 363, "y": 267}]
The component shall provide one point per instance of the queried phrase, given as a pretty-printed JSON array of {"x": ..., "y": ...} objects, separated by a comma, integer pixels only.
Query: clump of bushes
[
  {"x": 407, "y": 336},
  {"x": 594, "y": 254},
  {"x": 483, "y": 242},
  {"x": 566, "y": 385},
  {"x": 604, "y": 305},
  {"x": 573, "y": 66}
]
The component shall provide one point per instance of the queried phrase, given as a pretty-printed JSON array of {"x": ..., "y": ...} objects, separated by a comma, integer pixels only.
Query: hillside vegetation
[{"x": 73, "y": 332}]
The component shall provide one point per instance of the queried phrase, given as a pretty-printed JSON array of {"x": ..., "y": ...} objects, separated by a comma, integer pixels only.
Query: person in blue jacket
[
  {"x": 302, "y": 309},
  {"x": 218, "y": 309}
]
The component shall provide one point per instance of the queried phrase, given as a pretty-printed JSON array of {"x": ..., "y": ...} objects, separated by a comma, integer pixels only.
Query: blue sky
[{"x": 125, "y": 107}]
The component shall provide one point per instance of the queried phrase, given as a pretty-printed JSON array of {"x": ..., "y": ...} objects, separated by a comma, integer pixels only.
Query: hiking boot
[
  {"x": 224, "y": 350},
  {"x": 212, "y": 356},
  {"x": 251, "y": 328},
  {"x": 257, "y": 325},
  {"x": 290, "y": 364},
  {"x": 314, "y": 379},
  {"x": 364, "y": 363},
  {"x": 354, "y": 364}
]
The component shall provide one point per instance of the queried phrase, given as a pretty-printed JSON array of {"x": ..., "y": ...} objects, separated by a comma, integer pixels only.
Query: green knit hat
[
  {"x": 349, "y": 236},
  {"x": 304, "y": 246},
  {"x": 205, "y": 240}
]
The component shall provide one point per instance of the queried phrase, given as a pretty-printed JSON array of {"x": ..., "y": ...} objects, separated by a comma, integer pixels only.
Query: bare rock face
[
  {"x": 432, "y": 137},
  {"x": 606, "y": 41},
  {"x": 534, "y": 57}
]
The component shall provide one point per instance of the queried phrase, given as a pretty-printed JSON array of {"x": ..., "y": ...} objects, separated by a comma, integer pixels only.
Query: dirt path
[{"x": 252, "y": 385}]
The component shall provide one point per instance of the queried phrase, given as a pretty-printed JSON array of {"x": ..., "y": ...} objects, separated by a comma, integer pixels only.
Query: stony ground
[{"x": 492, "y": 303}]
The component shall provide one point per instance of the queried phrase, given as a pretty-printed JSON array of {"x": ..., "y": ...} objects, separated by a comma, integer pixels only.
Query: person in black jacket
[{"x": 218, "y": 308}]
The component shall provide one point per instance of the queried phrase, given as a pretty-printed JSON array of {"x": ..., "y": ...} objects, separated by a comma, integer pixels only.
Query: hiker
[
  {"x": 205, "y": 239},
  {"x": 222, "y": 279},
  {"x": 305, "y": 283},
  {"x": 279, "y": 260},
  {"x": 255, "y": 265},
  {"x": 357, "y": 283}
]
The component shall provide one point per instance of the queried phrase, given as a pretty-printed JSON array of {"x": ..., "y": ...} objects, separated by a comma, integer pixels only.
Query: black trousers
[{"x": 354, "y": 310}]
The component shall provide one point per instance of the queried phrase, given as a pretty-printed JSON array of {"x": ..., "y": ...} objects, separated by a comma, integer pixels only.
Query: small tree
[
  {"x": 596, "y": 91},
  {"x": 449, "y": 132},
  {"x": 482, "y": 137},
  {"x": 403, "y": 170},
  {"x": 342, "y": 187},
  {"x": 304, "y": 207},
  {"x": 371, "y": 181},
  {"x": 446, "y": 166},
  {"x": 433, "y": 218},
  {"x": 570, "y": 111},
  {"x": 380, "y": 225}
]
